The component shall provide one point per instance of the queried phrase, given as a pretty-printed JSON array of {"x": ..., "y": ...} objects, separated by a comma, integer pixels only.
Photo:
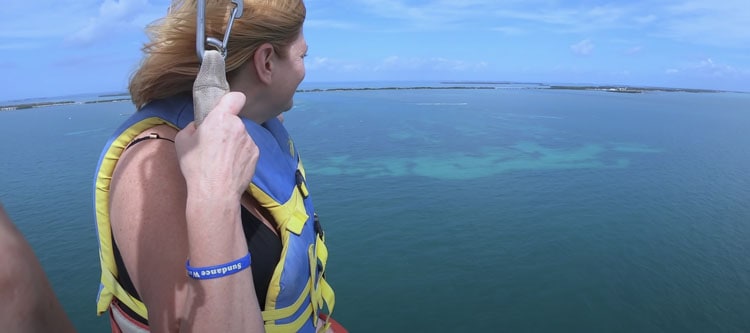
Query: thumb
[
  {"x": 189, "y": 129},
  {"x": 231, "y": 103}
]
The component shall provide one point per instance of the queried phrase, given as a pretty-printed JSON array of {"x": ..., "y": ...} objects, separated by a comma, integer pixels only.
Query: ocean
[{"x": 509, "y": 209}]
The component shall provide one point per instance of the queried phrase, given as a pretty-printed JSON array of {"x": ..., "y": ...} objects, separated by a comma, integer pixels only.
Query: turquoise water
[{"x": 466, "y": 210}]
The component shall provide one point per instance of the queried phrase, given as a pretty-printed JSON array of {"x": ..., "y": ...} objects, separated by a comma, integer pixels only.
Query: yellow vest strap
[
  {"x": 290, "y": 215},
  {"x": 109, "y": 281},
  {"x": 272, "y": 315},
  {"x": 290, "y": 327},
  {"x": 328, "y": 296},
  {"x": 321, "y": 251}
]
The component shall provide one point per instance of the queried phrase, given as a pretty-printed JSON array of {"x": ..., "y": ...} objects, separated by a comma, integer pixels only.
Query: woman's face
[
  {"x": 291, "y": 71},
  {"x": 287, "y": 70}
]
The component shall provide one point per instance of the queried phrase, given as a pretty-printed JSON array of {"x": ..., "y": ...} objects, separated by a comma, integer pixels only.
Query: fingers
[
  {"x": 188, "y": 130},
  {"x": 231, "y": 103}
]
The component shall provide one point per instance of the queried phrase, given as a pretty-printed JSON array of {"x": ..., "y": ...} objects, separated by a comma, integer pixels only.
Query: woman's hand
[
  {"x": 218, "y": 161},
  {"x": 219, "y": 157}
]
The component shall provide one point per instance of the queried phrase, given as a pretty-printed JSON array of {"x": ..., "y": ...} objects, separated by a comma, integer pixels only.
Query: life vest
[{"x": 298, "y": 294}]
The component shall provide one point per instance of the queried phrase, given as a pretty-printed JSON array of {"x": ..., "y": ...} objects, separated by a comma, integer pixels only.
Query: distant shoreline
[
  {"x": 33, "y": 105},
  {"x": 633, "y": 90},
  {"x": 606, "y": 88},
  {"x": 454, "y": 85},
  {"x": 390, "y": 88},
  {"x": 23, "y": 106}
]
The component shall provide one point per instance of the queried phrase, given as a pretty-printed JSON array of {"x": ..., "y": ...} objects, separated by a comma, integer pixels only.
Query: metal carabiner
[{"x": 200, "y": 34}]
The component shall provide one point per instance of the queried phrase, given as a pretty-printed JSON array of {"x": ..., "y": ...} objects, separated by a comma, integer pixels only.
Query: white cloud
[
  {"x": 634, "y": 50},
  {"x": 399, "y": 10},
  {"x": 567, "y": 19},
  {"x": 509, "y": 30},
  {"x": 396, "y": 63},
  {"x": 50, "y": 22},
  {"x": 516, "y": 15},
  {"x": 645, "y": 19},
  {"x": 709, "y": 73},
  {"x": 708, "y": 68},
  {"x": 698, "y": 21},
  {"x": 15, "y": 46},
  {"x": 434, "y": 14},
  {"x": 584, "y": 47},
  {"x": 723, "y": 23},
  {"x": 116, "y": 16},
  {"x": 333, "y": 65},
  {"x": 23, "y": 20},
  {"x": 329, "y": 24}
]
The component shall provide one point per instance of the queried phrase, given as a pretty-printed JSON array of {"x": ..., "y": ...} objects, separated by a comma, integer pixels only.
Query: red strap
[
  {"x": 335, "y": 326},
  {"x": 115, "y": 328}
]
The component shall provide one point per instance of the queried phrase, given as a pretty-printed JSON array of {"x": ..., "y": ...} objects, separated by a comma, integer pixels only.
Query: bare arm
[
  {"x": 159, "y": 220},
  {"x": 218, "y": 161},
  {"x": 28, "y": 302},
  {"x": 147, "y": 212}
]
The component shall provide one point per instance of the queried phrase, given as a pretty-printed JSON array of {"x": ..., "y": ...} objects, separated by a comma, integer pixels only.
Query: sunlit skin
[
  {"x": 270, "y": 80},
  {"x": 28, "y": 302},
  {"x": 293, "y": 70}
]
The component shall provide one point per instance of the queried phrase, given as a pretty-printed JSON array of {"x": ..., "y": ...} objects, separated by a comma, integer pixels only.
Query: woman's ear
[{"x": 263, "y": 60}]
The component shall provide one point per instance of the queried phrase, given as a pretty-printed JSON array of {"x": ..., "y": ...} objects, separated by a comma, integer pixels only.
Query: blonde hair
[{"x": 170, "y": 63}]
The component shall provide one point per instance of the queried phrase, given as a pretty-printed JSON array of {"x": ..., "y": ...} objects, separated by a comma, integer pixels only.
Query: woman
[{"x": 159, "y": 203}]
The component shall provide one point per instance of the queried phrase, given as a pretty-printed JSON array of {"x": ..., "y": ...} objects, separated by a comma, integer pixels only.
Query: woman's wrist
[
  {"x": 214, "y": 229},
  {"x": 210, "y": 191},
  {"x": 211, "y": 210}
]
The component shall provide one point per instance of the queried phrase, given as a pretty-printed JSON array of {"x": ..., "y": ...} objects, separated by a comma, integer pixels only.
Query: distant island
[
  {"x": 632, "y": 90},
  {"x": 445, "y": 85},
  {"x": 606, "y": 88},
  {"x": 124, "y": 99},
  {"x": 496, "y": 83},
  {"x": 33, "y": 105},
  {"x": 525, "y": 85},
  {"x": 123, "y": 94},
  {"x": 389, "y": 88},
  {"x": 22, "y": 106}
]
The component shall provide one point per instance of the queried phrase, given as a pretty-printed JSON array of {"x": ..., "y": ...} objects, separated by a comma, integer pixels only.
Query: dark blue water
[{"x": 466, "y": 210}]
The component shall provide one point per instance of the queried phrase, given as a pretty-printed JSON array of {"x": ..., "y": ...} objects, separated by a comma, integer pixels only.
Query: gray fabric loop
[{"x": 210, "y": 85}]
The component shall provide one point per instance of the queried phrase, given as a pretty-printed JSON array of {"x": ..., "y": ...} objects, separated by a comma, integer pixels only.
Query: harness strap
[
  {"x": 321, "y": 252},
  {"x": 325, "y": 289},
  {"x": 322, "y": 295},
  {"x": 123, "y": 296},
  {"x": 293, "y": 326},
  {"x": 122, "y": 323},
  {"x": 328, "y": 296},
  {"x": 290, "y": 215},
  {"x": 273, "y": 315}
]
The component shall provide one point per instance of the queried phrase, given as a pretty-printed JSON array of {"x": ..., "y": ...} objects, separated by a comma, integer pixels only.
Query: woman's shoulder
[{"x": 149, "y": 158}]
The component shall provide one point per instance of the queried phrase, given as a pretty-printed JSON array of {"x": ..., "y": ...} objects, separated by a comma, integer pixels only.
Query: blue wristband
[{"x": 213, "y": 272}]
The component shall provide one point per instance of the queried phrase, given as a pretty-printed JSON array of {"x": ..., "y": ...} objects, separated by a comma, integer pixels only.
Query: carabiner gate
[{"x": 200, "y": 34}]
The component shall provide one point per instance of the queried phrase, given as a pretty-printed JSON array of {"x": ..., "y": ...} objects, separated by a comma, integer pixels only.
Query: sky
[{"x": 54, "y": 48}]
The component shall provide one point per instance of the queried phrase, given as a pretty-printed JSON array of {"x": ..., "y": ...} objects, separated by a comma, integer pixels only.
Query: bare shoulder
[
  {"x": 147, "y": 212},
  {"x": 146, "y": 168}
]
